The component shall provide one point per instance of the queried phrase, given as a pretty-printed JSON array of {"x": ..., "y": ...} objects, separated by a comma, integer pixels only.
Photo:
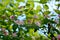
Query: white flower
[{"x": 22, "y": 17}]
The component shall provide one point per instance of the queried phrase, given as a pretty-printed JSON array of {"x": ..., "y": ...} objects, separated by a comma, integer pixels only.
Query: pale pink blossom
[
  {"x": 35, "y": 16},
  {"x": 19, "y": 22},
  {"x": 59, "y": 15},
  {"x": 58, "y": 37},
  {"x": 37, "y": 23},
  {"x": 53, "y": 38},
  {"x": 57, "y": 21},
  {"x": 14, "y": 34}
]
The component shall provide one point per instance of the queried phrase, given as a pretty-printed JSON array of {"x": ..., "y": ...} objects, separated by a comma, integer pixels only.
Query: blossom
[
  {"x": 59, "y": 15},
  {"x": 12, "y": 17},
  {"x": 35, "y": 16},
  {"x": 53, "y": 38},
  {"x": 58, "y": 37},
  {"x": 29, "y": 21},
  {"x": 37, "y": 23},
  {"x": 14, "y": 34},
  {"x": 6, "y": 33},
  {"x": 19, "y": 22},
  {"x": 57, "y": 21}
]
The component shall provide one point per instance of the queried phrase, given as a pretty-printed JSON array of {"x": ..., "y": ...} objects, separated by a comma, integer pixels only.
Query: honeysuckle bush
[{"x": 35, "y": 20}]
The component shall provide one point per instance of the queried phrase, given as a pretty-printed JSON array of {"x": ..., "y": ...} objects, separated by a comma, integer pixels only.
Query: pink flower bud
[
  {"x": 6, "y": 33},
  {"x": 19, "y": 22},
  {"x": 59, "y": 15},
  {"x": 53, "y": 38},
  {"x": 14, "y": 35},
  {"x": 12, "y": 17},
  {"x": 57, "y": 21},
  {"x": 37, "y": 23},
  {"x": 29, "y": 21},
  {"x": 58, "y": 37},
  {"x": 35, "y": 16}
]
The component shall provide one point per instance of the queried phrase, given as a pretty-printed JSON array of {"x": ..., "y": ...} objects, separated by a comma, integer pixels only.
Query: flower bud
[
  {"x": 19, "y": 22},
  {"x": 58, "y": 37},
  {"x": 12, "y": 17},
  {"x": 37, "y": 23},
  {"x": 14, "y": 34},
  {"x": 35, "y": 16},
  {"x": 29, "y": 21},
  {"x": 57, "y": 21},
  {"x": 6, "y": 33},
  {"x": 53, "y": 38},
  {"x": 59, "y": 15}
]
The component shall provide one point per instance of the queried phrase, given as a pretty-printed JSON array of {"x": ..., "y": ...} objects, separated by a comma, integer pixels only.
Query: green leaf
[
  {"x": 57, "y": 0},
  {"x": 41, "y": 17},
  {"x": 45, "y": 21},
  {"x": 38, "y": 8},
  {"x": 43, "y": 1},
  {"x": 57, "y": 11},
  {"x": 30, "y": 4},
  {"x": 5, "y": 2},
  {"x": 58, "y": 5},
  {"x": 46, "y": 7},
  {"x": 46, "y": 12},
  {"x": 20, "y": 0},
  {"x": 1, "y": 4},
  {"x": 31, "y": 31},
  {"x": 31, "y": 12},
  {"x": 55, "y": 34},
  {"x": 30, "y": 0}
]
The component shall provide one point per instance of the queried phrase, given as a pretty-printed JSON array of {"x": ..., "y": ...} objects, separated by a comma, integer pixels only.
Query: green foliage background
[{"x": 11, "y": 7}]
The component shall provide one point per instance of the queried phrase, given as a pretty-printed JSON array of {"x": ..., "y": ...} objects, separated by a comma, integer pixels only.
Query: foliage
[{"x": 12, "y": 28}]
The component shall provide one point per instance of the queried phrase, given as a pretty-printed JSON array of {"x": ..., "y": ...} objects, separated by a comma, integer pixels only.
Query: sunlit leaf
[
  {"x": 46, "y": 12},
  {"x": 38, "y": 8},
  {"x": 20, "y": 0},
  {"x": 46, "y": 7},
  {"x": 30, "y": 4},
  {"x": 43, "y": 1},
  {"x": 57, "y": 11}
]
